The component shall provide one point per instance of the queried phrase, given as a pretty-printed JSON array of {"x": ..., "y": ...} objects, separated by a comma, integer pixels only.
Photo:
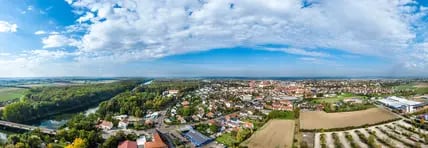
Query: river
[
  {"x": 53, "y": 122},
  {"x": 57, "y": 121}
]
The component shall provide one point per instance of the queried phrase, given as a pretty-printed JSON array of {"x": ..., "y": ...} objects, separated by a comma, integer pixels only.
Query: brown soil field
[
  {"x": 275, "y": 133},
  {"x": 421, "y": 85},
  {"x": 323, "y": 120}
]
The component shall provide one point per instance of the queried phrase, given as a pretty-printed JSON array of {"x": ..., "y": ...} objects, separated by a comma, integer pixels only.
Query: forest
[
  {"x": 42, "y": 102},
  {"x": 145, "y": 98},
  {"x": 125, "y": 97},
  {"x": 133, "y": 103}
]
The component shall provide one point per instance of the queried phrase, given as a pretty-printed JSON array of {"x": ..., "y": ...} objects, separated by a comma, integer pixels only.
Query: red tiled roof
[
  {"x": 128, "y": 144},
  {"x": 156, "y": 143},
  {"x": 107, "y": 123}
]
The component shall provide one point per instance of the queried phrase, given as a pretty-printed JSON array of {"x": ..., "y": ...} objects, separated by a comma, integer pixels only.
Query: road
[{"x": 27, "y": 127}]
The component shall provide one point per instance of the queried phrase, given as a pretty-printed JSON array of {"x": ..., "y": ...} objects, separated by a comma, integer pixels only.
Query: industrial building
[
  {"x": 197, "y": 138},
  {"x": 401, "y": 104}
]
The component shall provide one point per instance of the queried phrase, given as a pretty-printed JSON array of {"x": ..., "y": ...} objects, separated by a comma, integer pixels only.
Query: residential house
[
  {"x": 141, "y": 141},
  {"x": 195, "y": 118},
  {"x": 106, "y": 125},
  {"x": 120, "y": 117},
  {"x": 156, "y": 142},
  {"x": 128, "y": 144},
  {"x": 173, "y": 92},
  {"x": 123, "y": 124},
  {"x": 185, "y": 103},
  {"x": 210, "y": 115},
  {"x": 248, "y": 125}
]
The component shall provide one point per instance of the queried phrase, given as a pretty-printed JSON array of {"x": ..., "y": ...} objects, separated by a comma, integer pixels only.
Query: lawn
[
  {"x": 405, "y": 87},
  {"x": 422, "y": 90},
  {"x": 227, "y": 139},
  {"x": 418, "y": 88},
  {"x": 7, "y": 93},
  {"x": 275, "y": 114},
  {"x": 337, "y": 98}
]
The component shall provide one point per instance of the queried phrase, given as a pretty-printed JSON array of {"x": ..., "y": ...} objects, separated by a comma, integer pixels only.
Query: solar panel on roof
[{"x": 197, "y": 138}]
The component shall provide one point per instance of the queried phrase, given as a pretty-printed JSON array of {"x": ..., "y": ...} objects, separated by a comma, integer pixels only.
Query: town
[{"x": 241, "y": 113}]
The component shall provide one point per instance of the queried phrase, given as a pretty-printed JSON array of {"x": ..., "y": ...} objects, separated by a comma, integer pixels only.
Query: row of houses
[{"x": 125, "y": 120}]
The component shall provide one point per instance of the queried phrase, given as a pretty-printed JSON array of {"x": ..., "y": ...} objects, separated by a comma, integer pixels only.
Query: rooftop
[
  {"x": 398, "y": 102},
  {"x": 197, "y": 138},
  {"x": 128, "y": 144},
  {"x": 156, "y": 142}
]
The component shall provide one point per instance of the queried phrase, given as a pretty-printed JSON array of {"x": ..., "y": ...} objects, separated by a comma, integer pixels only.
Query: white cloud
[
  {"x": 7, "y": 27},
  {"x": 30, "y": 8},
  {"x": 57, "y": 41},
  {"x": 54, "y": 33},
  {"x": 47, "y": 54},
  {"x": 4, "y": 54},
  {"x": 142, "y": 29},
  {"x": 38, "y": 62},
  {"x": 40, "y": 32},
  {"x": 87, "y": 17},
  {"x": 302, "y": 52},
  {"x": 69, "y": 1},
  {"x": 418, "y": 60}
]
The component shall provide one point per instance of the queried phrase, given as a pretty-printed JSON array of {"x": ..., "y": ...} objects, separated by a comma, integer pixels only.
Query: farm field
[
  {"x": 397, "y": 134},
  {"x": 420, "y": 88},
  {"x": 337, "y": 98},
  {"x": 323, "y": 120},
  {"x": 421, "y": 85},
  {"x": 275, "y": 133},
  {"x": 8, "y": 93}
]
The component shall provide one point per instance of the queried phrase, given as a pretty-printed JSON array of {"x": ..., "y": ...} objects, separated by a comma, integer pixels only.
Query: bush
[
  {"x": 337, "y": 142},
  {"x": 275, "y": 114},
  {"x": 351, "y": 140},
  {"x": 395, "y": 137},
  {"x": 323, "y": 141}
]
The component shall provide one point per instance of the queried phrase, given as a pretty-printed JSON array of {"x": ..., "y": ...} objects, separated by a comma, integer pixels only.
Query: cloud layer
[
  {"x": 8, "y": 27},
  {"x": 120, "y": 31},
  {"x": 153, "y": 29}
]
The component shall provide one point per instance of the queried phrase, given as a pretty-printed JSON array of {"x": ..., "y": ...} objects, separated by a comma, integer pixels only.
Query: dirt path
[
  {"x": 329, "y": 140},
  {"x": 396, "y": 135},
  {"x": 367, "y": 134},
  {"x": 383, "y": 136},
  {"x": 317, "y": 143},
  {"x": 357, "y": 139},
  {"x": 343, "y": 140},
  {"x": 401, "y": 122}
]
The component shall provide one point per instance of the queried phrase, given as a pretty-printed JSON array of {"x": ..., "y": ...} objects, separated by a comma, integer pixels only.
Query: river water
[
  {"x": 54, "y": 122},
  {"x": 57, "y": 121}
]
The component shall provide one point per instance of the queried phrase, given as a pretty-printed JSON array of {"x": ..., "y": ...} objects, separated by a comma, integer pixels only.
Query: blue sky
[{"x": 211, "y": 38}]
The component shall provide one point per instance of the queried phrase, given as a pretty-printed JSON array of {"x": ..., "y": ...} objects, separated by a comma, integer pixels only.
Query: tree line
[
  {"x": 42, "y": 102},
  {"x": 133, "y": 103}
]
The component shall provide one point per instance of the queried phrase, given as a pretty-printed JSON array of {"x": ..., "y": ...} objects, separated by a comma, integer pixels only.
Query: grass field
[
  {"x": 7, "y": 93},
  {"x": 323, "y": 120},
  {"x": 227, "y": 139},
  {"x": 337, "y": 98},
  {"x": 419, "y": 88},
  {"x": 276, "y": 133}
]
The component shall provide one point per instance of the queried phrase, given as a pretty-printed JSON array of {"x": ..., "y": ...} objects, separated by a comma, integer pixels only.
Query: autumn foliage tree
[{"x": 77, "y": 143}]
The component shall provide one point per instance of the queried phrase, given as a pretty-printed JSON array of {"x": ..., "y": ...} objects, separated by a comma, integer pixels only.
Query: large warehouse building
[
  {"x": 401, "y": 104},
  {"x": 197, "y": 138}
]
